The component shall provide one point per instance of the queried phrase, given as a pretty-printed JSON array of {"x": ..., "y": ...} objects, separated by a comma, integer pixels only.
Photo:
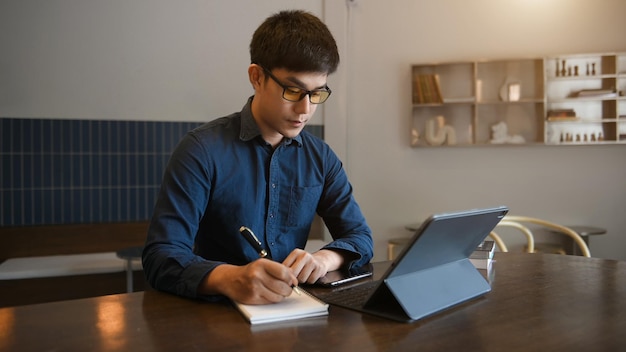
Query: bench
[{"x": 59, "y": 262}]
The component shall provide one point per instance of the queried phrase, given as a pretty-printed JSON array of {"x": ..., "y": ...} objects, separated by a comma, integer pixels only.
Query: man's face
[{"x": 276, "y": 116}]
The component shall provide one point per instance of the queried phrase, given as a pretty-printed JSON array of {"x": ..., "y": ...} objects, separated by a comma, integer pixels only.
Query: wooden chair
[{"x": 518, "y": 222}]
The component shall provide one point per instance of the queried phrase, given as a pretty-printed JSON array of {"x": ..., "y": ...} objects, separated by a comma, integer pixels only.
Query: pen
[{"x": 256, "y": 244}]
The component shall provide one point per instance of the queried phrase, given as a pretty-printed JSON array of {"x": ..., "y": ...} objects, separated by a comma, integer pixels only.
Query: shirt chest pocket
[{"x": 302, "y": 204}]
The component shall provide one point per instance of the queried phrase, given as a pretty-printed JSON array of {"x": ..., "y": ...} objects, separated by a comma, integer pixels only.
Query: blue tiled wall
[{"x": 82, "y": 171}]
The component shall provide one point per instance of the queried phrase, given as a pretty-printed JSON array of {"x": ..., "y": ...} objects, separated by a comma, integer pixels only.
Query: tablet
[{"x": 340, "y": 277}]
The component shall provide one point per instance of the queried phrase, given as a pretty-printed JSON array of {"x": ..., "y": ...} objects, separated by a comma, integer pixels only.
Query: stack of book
[
  {"x": 482, "y": 257},
  {"x": 562, "y": 115},
  {"x": 426, "y": 89},
  {"x": 597, "y": 93}
]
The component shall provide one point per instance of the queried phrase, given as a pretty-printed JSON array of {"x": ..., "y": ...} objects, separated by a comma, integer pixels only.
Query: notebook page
[{"x": 293, "y": 307}]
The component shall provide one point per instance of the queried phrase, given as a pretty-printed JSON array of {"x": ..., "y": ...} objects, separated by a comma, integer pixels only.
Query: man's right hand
[{"x": 260, "y": 282}]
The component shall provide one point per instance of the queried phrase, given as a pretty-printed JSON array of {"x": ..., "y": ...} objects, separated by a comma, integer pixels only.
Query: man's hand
[
  {"x": 259, "y": 282},
  {"x": 309, "y": 267}
]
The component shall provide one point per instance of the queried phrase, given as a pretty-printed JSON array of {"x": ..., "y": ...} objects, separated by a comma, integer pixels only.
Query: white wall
[
  {"x": 117, "y": 59},
  {"x": 397, "y": 185},
  {"x": 186, "y": 60}
]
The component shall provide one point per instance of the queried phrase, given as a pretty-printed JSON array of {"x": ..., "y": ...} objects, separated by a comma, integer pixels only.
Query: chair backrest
[{"x": 518, "y": 222}]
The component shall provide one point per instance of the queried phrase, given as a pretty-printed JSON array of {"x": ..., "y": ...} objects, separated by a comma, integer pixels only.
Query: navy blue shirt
[{"x": 222, "y": 176}]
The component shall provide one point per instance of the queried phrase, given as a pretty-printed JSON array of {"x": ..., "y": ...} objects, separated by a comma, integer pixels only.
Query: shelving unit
[
  {"x": 517, "y": 96},
  {"x": 597, "y": 116}
]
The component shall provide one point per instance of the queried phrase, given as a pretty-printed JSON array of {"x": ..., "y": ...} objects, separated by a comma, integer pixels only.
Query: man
[{"x": 259, "y": 169}]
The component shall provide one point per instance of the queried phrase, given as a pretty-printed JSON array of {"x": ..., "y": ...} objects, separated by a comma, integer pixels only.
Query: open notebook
[{"x": 293, "y": 307}]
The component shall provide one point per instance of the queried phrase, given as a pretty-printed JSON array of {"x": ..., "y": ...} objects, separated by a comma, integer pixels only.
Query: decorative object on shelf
[
  {"x": 415, "y": 137},
  {"x": 500, "y": 135},
  {"x": 510, "y": 90},
  {"x": 444, "y": 133},
  {"x": 558, "y": 72},
  {"x": 574, "y": 133},
  {"x": 563, "y": 68},
  {"x": 514, "y": 91},
  {"x": 593, "y": 69},
  {"x": 504, "y": 91}
]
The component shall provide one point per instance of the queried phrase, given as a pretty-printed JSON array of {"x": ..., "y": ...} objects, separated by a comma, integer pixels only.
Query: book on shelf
[
  {"x": 559, "y": 118},
  {"x": 437, "y": 89},
  {"x": 596, "y": 93},
  {"x": 296, "y": 306},
  {"x": 482, "y": 256},
  {"x": 426, "y": 89},
  {"x": 561, "y": 115}
]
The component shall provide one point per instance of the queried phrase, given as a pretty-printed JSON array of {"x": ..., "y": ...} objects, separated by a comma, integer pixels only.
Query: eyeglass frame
[{"x": 303, "y": 92}]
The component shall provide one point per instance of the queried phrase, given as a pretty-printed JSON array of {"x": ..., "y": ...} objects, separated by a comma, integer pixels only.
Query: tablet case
[{"x": 434, "y": 272}]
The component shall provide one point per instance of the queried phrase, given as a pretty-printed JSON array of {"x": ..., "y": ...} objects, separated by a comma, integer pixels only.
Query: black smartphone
[{"x": 340, "y": 277}]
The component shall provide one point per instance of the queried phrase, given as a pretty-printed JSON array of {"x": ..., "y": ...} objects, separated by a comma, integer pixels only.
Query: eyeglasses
[{"x": 291, "y": 93}]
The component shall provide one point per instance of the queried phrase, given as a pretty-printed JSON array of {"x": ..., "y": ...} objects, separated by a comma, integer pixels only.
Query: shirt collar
[{"x": 250, "y": 130}]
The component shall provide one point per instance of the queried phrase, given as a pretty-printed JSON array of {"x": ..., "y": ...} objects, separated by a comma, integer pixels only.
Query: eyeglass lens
[{"x": 295, "y": 94}]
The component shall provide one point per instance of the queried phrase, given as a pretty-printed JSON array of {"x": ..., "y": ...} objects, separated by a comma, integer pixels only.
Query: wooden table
[{"x": 539, "y": 302}]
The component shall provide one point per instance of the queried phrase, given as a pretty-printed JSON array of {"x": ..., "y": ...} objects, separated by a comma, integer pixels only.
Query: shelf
[
  {"x": 500, "y": 102},
  {"x": 582, "y": 99},
  {"x": 423, "y": 105},
  {"x": 508, "y": 100},
  {"x": 582, "y": 121},
  {"x": 469, "y": 100},
  {"x": 581, "y": 77}
]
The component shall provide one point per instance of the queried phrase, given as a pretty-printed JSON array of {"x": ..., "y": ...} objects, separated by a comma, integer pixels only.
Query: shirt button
[{"x": 273, "y": 185}]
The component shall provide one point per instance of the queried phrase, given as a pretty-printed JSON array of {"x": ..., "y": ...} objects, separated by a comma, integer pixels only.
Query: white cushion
[{"x": 63, "y": 265}]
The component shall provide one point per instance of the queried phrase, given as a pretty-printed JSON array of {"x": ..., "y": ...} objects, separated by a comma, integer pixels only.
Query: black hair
[{"x": 296, "y": 41}]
